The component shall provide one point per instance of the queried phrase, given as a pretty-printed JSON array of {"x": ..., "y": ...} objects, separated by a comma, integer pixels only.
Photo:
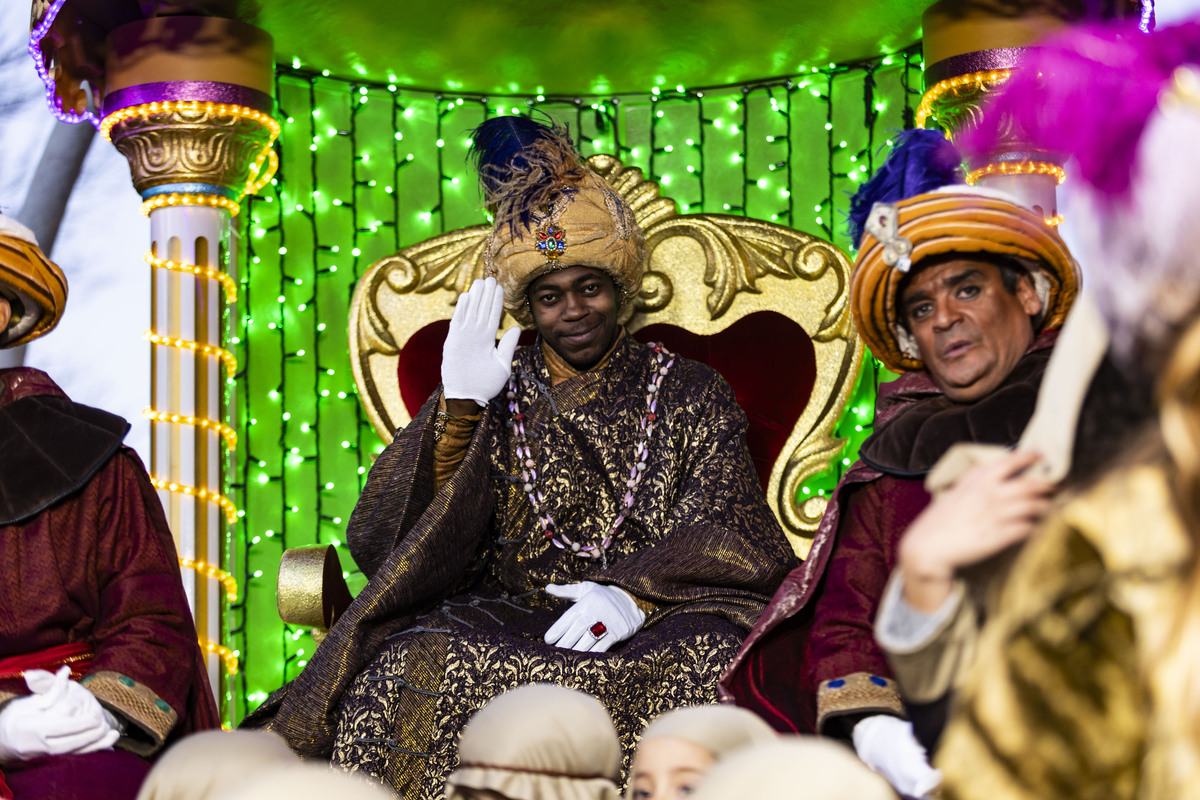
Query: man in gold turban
[
  {"x": 962, "y": 291},
  {"x": 582, "y": 513},
  {"x": 99, "y": 661}
]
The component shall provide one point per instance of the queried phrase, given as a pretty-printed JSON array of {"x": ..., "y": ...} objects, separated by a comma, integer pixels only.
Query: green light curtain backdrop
[{"x": 366, "y": 169}]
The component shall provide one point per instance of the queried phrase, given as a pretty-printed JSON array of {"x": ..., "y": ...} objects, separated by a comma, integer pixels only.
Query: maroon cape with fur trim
[
  {"x": 87, "y": 557},
  {"x": 772, "y": 674}
]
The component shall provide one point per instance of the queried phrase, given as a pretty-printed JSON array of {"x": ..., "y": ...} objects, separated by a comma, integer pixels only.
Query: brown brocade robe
[
  {"x": 455, "y": 611},
  {"x": 86, "y": 558}
]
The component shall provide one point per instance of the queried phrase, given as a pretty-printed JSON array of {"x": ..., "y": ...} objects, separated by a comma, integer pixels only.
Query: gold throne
[{"x": 765, "y": 305}]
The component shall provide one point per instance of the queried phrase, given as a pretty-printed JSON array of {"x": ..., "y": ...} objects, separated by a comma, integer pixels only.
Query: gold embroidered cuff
[
  {"x": 646, "y": 606},
  {"x": 857, "y": 693},
  {"x": 451, "y": 437},
  {"x": 152, "y": 716}
]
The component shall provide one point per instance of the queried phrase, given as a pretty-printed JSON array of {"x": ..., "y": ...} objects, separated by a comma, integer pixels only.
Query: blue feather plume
[
  {"x": 523, "y": 166},
  {"x": 920, "y": 161},
  {"x": 499, "y": 145}
]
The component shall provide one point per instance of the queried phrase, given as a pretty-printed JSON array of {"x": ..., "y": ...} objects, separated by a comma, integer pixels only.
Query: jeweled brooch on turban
[{"x": 551, "y": 241}]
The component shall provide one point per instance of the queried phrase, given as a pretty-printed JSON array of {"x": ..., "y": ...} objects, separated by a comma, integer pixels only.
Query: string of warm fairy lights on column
[
  {"x": 190, "y": 203},
  {"x": 368, "y": 168},
  {"x": 195, "y": 126},
  {"x": 969, "y": 87}
]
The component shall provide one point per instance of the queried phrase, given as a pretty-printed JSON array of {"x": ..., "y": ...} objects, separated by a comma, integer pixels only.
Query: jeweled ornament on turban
[{"x": 550, "y": 240}]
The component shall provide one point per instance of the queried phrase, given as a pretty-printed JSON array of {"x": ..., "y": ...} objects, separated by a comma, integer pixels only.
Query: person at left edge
[{"x": 99, "y": 662}]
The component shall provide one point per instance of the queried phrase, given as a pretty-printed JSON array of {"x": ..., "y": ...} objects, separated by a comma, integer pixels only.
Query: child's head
[{"x": 679, "y": 747}]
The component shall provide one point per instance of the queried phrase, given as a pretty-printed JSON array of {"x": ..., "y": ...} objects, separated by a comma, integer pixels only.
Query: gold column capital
[{"x": 193, "y": 143}]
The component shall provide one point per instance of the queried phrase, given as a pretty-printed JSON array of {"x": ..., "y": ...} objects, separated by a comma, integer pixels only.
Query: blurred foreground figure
[
  {"x": 1087, "y": 681},
  {"x": 678, "y": 748},
  {"x": 963, "y": 290},
  {"x": 99, "y": 663},
  {"x": 206, "y": 765},
  {"x": 793, "y": 768},
  {"x": 304, "y": 781},
  {"x": 538, "y": 742}
]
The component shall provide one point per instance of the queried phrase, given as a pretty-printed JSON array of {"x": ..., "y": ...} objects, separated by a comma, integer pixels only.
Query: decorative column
[
  {"x": 969, "y": 55},
  {"x": 188, "y": 102}
]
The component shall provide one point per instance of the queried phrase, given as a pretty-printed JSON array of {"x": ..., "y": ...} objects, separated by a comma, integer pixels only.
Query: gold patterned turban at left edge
[
  {"x": 898, "y": 236},
  {"x": 32, "y": 284},
  {"x": 551, "y": 212}
]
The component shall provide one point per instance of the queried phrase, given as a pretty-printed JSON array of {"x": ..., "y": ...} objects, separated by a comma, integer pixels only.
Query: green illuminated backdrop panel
[{"x": 366, "y": 169}]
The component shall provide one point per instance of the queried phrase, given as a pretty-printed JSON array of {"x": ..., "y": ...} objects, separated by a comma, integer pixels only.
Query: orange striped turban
[
  {"x": 33, "y": 285},
  {"x": 898, "y": 236}
]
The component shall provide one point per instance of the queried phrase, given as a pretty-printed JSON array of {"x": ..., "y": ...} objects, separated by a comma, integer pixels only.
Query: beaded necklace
[{"x": 641, "y": 451}]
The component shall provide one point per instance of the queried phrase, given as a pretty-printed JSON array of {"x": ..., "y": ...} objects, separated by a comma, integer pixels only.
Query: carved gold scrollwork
[
  {"x": 642, "y": 196},
  {"x": 960, "y": 109},
  {"x": 960, "y": 112},
  {"x": 656, "y": 292},
  {"x": 189, "y": 146},
  {"x": 399, "y": 296},
  {"x": 704, "y": 272}
]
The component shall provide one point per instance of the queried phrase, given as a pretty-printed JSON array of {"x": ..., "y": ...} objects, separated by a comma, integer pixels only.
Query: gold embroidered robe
[{"x": 455, "y": 611}]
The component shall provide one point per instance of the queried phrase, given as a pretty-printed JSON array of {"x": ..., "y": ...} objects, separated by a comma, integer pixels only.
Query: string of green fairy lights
[{"x": 367, "y": 168}]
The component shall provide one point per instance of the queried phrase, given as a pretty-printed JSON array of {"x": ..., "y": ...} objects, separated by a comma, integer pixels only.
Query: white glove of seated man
[
  {"x": 887, "y": 745},
  {"x": 474, "y": 366},
  {"x": 606, "y": 610},
  {"x": 60, "y": 717}
]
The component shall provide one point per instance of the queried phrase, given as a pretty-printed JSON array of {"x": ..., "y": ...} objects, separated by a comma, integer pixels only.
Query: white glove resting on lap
[
  {"x": 606, "y": 610},
  {"x": 60, "y": 717},
  {"x": 474, "y": 366},
  {"x": 887, "y": 745}
]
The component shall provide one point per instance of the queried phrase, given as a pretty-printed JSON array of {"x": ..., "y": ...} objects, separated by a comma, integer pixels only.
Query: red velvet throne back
[{"x": 767, "y": 358}]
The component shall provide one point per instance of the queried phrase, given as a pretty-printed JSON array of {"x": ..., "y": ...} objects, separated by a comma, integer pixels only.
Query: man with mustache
[
  {"x": 582, "y": 512},
  {"x": 962, "y": 291}
]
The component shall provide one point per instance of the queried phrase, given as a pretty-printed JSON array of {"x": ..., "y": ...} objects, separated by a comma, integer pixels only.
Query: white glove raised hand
[
  {"x": 474, "y": 366},
  {"x": 887, "y": 745},
  {"x": 59, "y": 717},
  {"x": 606, "y": 609}
]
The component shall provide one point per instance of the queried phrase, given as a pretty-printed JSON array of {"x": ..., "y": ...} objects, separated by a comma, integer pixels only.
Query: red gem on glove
[
  {"x": 651, "y": 417},
  {"x": 549, "y": 534},
  {"x": 599, "y": 629}
]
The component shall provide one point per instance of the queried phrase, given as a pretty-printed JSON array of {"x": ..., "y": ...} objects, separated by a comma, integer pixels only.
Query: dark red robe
[
  {"x": 86, "y": 557},
  {"x": 817, "y": 634}
]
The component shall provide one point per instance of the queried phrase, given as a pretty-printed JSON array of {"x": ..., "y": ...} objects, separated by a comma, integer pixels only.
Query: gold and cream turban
[
  {"x": 538, "y": 741},
  {"x": 552, "y": 212},
  {"x": 33, "y": 285},
  {"x": 898, "y": 236}
]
